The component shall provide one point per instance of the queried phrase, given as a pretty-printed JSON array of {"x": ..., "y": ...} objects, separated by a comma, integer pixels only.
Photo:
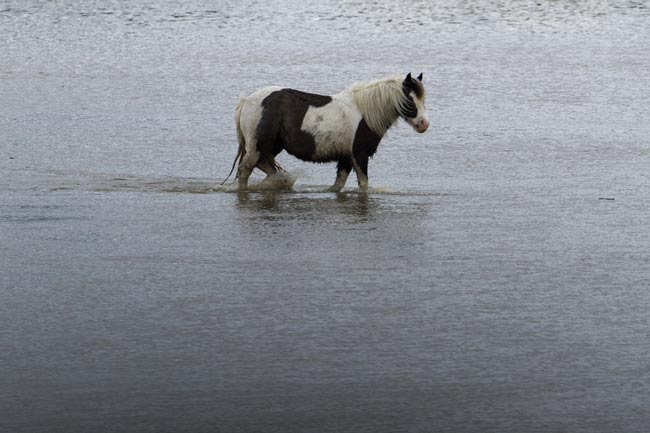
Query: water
[{"x": 494, "y": 280}]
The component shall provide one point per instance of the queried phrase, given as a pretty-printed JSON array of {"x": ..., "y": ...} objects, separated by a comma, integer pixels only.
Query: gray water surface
[{"x": 495, "y": 279}]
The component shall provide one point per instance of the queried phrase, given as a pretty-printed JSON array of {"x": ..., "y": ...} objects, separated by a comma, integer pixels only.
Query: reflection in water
[
  {"x": 266, "y": 200},
  {"x": 362, "y": 202},
  {"x": 274, "y": 204}
]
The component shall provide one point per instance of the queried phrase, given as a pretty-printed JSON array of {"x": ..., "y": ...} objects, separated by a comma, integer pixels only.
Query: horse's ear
[
  {"x": 420, "y": 76},
  {"x": 408, "y": 77}
]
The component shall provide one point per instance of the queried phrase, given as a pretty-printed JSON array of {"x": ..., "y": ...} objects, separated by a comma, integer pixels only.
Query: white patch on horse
[{"x": 332, "y": 126}]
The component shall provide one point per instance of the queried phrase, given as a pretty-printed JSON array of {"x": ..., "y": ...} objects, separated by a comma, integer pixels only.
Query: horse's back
[
  {"x": 288, "y": 95},
  {"x": 274, "y": 103},
  {"x": 259, "y": 95},
  {"x": 298, "y": 98}
]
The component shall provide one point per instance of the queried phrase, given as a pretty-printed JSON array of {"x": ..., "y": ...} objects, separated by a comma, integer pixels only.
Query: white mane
[{"x": 379, "y": 102}]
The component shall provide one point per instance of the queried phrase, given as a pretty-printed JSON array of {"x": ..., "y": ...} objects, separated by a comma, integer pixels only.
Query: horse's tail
[{"x": 240, "y": 138}]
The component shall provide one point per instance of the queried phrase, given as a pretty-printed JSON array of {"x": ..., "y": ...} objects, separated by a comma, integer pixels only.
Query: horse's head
[{"x": 413, "y": 110}]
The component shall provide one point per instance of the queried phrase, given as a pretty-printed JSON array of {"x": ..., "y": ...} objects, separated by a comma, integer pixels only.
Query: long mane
[{"x": 379, "y": 102}]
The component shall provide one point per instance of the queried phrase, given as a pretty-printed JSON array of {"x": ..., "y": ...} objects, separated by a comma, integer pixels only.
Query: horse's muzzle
[{"x": 422, "y": 126}]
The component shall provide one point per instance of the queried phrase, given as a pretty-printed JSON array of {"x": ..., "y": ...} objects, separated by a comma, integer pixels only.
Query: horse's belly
[
  {"x": 331, "y": 145},
  {"x": 333, "y": 130}
]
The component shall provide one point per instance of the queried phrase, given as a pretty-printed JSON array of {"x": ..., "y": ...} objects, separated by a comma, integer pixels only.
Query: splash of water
[{"x": 281, "y": 181}]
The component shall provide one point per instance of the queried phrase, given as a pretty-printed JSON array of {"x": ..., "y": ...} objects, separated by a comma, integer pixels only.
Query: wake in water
[
  {"x": 58, "y": 181},
  {"x": 285, "y": 182}
]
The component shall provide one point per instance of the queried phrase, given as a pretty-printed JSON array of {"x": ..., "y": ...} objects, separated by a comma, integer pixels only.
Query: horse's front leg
[
  {"x": 343, "y": 169},
  {"x": 361, "y": 169}
]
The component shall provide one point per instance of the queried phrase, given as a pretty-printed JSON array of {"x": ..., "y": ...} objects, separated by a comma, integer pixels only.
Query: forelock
[{"x": 414, "y": 86}]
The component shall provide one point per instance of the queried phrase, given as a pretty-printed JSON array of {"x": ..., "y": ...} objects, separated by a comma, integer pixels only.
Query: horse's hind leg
[
  {"x": 246, "y": 166},
  {"x": 268, "y": 166}
]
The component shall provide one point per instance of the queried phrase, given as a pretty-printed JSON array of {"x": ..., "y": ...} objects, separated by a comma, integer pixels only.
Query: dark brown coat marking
[
  {"x": 282, "y": 116},
  {"x": 364, "y": 145}
]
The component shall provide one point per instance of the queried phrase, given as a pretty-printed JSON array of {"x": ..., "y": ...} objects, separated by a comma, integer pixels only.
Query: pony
[{"x": 345, "y": 128}]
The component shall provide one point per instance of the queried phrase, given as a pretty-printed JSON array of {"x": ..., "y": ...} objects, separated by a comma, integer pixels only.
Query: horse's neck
[{"x": 378, "y": 106}]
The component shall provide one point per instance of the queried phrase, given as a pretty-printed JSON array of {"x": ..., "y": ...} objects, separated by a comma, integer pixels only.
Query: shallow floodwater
[{"x": 495, "y": 279}]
